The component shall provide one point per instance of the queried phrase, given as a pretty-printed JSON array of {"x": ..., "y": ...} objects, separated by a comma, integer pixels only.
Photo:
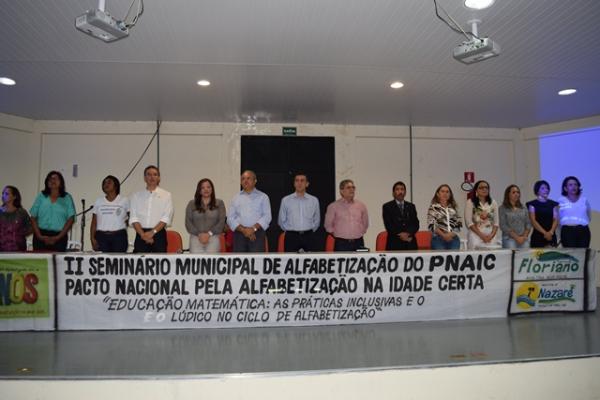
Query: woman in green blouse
[{"x": 52, "y": 215}]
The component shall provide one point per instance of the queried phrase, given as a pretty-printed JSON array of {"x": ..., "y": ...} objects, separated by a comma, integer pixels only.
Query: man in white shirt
[{"x": 151, "y": 212}]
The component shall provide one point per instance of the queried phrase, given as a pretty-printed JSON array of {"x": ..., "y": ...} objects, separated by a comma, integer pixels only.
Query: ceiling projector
[
  {"x": 101, "y": 25},
  {"x": 476, "y": 50}
]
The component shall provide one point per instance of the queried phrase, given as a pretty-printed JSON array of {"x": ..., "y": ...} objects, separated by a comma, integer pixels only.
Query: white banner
[
  {"x": 549, "y": 295},
  {"x": 193, "y": 291},
  {"x": 544, "y": 264},
  {"x": 553, "y": 280}
]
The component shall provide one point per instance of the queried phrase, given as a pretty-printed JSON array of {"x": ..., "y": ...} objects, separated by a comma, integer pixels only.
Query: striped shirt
[{"x": 443, "y": 218}]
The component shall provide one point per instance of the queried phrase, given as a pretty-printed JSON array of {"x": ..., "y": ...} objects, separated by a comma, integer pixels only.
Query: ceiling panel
[{"x": 328, "y": 61}]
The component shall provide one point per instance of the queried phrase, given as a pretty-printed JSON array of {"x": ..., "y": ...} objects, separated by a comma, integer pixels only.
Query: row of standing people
[
  {"x": 533, "y": 225},
  {"x": 150, "y": 212}
]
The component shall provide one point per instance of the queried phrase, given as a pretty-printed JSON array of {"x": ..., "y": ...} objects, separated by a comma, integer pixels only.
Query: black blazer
[{"x": 396, "y": 222}]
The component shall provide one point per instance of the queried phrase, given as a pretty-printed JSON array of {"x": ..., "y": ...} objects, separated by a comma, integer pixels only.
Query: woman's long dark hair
[
  {"x": 15, "y": 192},
  {"x": 61, "y": 189},
  {"x": 198, "y": 196},
  {"x": 475, "y": 199},
  {"x": 506, "y": 201}
]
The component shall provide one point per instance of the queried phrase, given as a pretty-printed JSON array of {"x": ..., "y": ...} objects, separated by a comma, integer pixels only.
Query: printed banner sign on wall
[
  {"x": 26, "y": 293},
  {"x": 185, "y": 291},
  {"x": 550, "y": 280},
  {"x": 182, "y": 291}
]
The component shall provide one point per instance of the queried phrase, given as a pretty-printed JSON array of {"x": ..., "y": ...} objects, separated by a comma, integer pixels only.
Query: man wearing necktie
[{"x": 400, "y": 220}]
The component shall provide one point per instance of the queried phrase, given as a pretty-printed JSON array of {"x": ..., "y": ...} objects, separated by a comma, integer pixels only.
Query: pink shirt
[{"x": 347, "y": 220}]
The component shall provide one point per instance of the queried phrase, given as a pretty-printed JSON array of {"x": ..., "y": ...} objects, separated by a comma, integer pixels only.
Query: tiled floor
[{"x": 215, "y": 352}]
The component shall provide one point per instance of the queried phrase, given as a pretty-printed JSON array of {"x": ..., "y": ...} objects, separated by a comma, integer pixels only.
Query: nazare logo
[
  {"x": 527, "y": 295},
  {"x": 557, "y": 295},
  {"x": 532, "y": 294}
]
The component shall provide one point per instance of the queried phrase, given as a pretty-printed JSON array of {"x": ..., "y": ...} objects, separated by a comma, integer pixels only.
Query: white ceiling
[{"x": 304, "y": 61}]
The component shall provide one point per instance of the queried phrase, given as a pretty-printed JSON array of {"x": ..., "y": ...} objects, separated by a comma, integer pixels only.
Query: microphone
[{"x": 82, "y": 237}]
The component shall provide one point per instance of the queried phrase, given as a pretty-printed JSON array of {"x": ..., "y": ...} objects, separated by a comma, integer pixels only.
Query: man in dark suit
[{"x": 400, "y": 220}]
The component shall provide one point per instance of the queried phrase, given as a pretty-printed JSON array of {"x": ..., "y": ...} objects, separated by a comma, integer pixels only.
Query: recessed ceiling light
[
  {"x": 567, "y": 92},
  {"x": 396, "y": 85},
  {"x": 7, "y": 81},
  {"x": 478, "y": 4},
  {"x": 203, "y": 82}
]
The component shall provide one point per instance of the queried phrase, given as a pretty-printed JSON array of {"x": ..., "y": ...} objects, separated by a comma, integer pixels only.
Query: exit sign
[{"x": 289, "y": 131}]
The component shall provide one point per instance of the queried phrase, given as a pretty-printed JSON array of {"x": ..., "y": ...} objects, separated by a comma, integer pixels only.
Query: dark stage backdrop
[{"x": 275, "y": 159}]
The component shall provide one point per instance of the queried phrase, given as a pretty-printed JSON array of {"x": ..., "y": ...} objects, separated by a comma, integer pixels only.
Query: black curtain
[{"x": 276, "y": 159}]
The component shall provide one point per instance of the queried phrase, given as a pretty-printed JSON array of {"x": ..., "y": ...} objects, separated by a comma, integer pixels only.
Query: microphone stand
[{"x": 82, "y": 224}]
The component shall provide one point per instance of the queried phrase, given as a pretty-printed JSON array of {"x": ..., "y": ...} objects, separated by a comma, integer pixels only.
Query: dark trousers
[
  {"x": 394, "y": 243},
  {"x": 159, "y": 245},
  {"x": 348, "y": 244},
  {"x": 241, "y": 244},
  {"x": 575, "y": 236},
  {"x": 537, "y": 240},
  {"x": 60, "y": 246},
  {"x": 294, "y": 241},
  {"x": 112, "y": 242}
]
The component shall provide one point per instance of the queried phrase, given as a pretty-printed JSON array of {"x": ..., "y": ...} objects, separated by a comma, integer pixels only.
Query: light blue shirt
[
  {"x": 248, "y": 209},
  {"x": 299, "y": 213}
]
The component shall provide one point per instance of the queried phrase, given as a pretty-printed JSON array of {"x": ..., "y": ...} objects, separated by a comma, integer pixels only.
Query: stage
[
  {"x": 547, "y": 355},
  {"x": 440, "y": 347}
]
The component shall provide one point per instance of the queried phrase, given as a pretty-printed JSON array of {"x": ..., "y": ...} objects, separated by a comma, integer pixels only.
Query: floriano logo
[
  {"x": 549, "y": 262},
  {"x": 543, "y": 256}
]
